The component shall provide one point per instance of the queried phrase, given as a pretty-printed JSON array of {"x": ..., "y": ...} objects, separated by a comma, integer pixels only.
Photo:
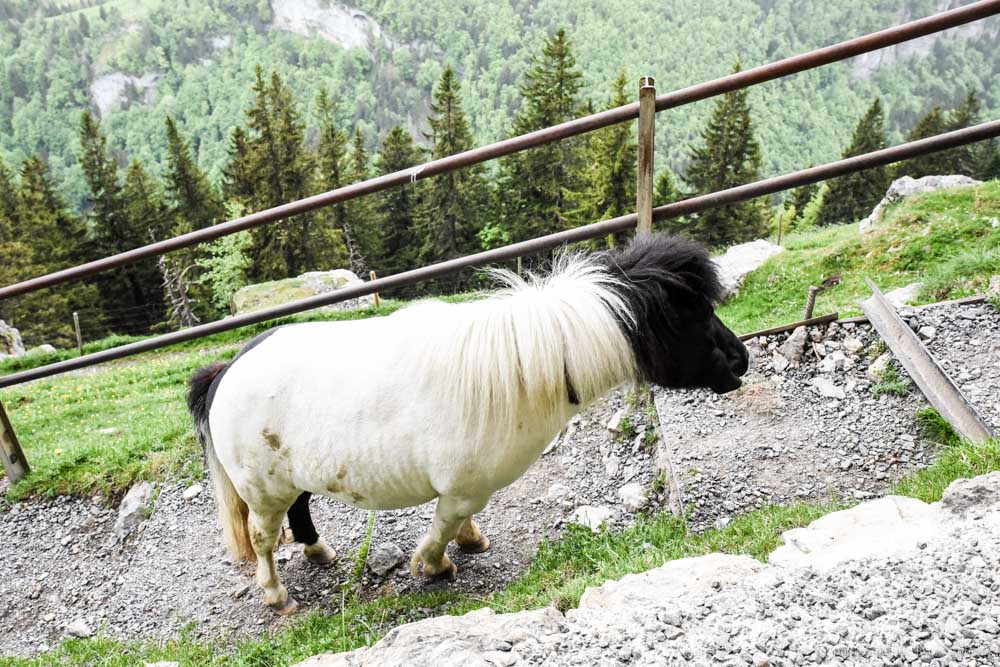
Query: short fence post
[
  {"x": 79, "y": 336},
  {"x": 378, "y": 301},
  {"x": 13, "y": 458},
  {"x": 644, "y": 157},
  {"x": 780, "y": 212}
]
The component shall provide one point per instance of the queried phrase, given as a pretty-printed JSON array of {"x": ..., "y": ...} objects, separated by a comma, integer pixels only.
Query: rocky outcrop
[
  {"x": 11, "y": 344},
  {"x": 741, "y": 260},
  {"x": 349, "y": 27},
  {"x": 111, "y": 91},
  {"x": 904, "y": 187},
  {"x": 822, "y": 598},
  {"x": 275, "y": 293}
]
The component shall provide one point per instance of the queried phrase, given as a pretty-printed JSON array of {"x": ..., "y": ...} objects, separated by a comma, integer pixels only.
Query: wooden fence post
[
  {"x": 13, "y": 458},
  {"x": 644, "y": 157},
  {"x": 79, "y": 336},
  {"x": 378, "y": 301}
]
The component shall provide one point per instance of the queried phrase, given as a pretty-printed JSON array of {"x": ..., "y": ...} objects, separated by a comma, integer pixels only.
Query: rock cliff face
[
  {"x": 349, "y": 27},
  {"x": 894, "y": 580}
]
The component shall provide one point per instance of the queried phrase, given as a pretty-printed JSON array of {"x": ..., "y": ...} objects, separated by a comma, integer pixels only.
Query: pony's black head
[{"x": 672, "y": 286}]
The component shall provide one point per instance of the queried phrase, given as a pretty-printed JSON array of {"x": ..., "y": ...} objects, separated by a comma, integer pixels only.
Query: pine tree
[
  {"x": 535, "y": 182},
  {"x": 608, "y": 174},
  {"x": 270, "y": 166},
  {"x": 331, "y": 163},
  {"x": 146, "y": 209},
  {"x": 729, "y": 156},
  {"x": 853, "y": 196},
  {"x": 397, "y": 207},
  {"x": 360, "y": 211},
  {"x": 931, "y": 124},
  {"x": 802, "y": 195},
  {"x": 666, "y": 192},
  {"x": 47, "y": 237},
  {"x": 134, "y": 288},
  {"x": 195, "y": 203},
  {"x": 8, "y": 194},
  {"x": 966, "y": 159},
  {"x": 454, "y": 203}
]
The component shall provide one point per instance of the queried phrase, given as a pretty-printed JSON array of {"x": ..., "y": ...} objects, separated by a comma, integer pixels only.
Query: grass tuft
[{"x": 891, "y": 383}]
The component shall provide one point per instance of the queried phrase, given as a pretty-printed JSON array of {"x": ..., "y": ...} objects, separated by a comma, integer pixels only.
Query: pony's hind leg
[
  {"x": 264, "y": 530},
  {"x": 304, "y": 531},
  {"x": 449, "y": 517},
  {"x": 470, "y": 539}
]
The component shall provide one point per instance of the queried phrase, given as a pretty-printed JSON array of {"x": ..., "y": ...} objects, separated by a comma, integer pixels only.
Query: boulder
[
  {"x": 968, "y": 497},
  {"x": 904, "y": 187},
  {"x": 476, "y": 639},
  {"x": 741, "y": 260},
  {"x": 133, "y": 509},
  {"x": 277, "y": 292},
  {"x": 11, "y": 344},
  {"x": 42, "y": 349},
  {"x": 879, "y": 528},
  {"x": 663, "y": 586}
]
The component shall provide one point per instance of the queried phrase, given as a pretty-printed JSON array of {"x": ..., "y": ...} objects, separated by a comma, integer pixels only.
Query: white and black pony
[{"x": 446, "y": 401}]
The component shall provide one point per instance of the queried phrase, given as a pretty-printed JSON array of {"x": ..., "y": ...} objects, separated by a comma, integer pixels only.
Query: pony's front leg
[
  {"x": 450, "y": 517},
  {"x": 264, "y": 530}
]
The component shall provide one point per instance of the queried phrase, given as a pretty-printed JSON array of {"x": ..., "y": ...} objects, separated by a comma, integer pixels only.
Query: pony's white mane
[{"x": 514, "y": 351}]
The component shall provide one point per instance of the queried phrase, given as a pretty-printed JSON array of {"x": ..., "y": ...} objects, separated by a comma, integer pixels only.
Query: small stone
[
  {"x": 632, "y": 495},
  {"x": 79, "y": 628},
  {"x": 592, "y": 517},
  {"x": 133, "y": 508},
  {"x": 826, "y": 387},
  {"x": 240, "y": 592},
  {"x": 761, "y": 660},
  {"x": 927, "y": 332},
  {"x": 384, "y": 558},
  {"x": 853, "y": 345},
  {"x": 614, "y": 424},
  {"x": 192, "y": 491},
  {"x": 877, "y": 367}
]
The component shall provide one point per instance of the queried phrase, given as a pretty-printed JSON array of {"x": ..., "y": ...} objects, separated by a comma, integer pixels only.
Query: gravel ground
[
  {"x": 778, "y": 439},
  {"x": 936, "y": 606},
  {"x": 774, "y": 441},
  {"x": 60, "y": 562}
]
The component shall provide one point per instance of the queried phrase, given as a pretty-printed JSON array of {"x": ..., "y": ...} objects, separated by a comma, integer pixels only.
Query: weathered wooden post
[
  {"x": 378, "y": 301},
  {"x": 79, "y": 336},
  {"x": 780, "y": 212},
  {"x": 644, "y": 157},
  {"x": 13, "y": 458}
]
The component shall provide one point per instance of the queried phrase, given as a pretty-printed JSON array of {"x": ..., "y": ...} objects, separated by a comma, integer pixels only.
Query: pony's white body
[{"x": 448, "y": 401}]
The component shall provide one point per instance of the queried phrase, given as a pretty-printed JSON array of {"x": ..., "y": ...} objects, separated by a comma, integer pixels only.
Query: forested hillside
[
  {"x": 138, "y": 60},
  {"x": 124, "y": 122}
]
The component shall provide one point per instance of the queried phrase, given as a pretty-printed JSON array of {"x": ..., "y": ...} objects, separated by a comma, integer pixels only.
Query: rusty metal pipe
[
  {"x": 732, "y": 195},
  {"x": 792, "y": 65}
]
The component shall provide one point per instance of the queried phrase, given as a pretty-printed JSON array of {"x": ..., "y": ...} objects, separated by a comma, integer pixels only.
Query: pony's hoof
[
  {"x": 476, "y": 547},
  {"x": 319, "y": 553},
  {"x": 289, "y": 606},
  {"x": 448, "y": 570},
  {"x": 449, "y": 573}
]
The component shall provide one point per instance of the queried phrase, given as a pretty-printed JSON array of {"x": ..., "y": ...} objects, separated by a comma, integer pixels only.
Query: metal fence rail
[
  {"x": 761, "y": 74},
  {"x": 595, "y": 230}
]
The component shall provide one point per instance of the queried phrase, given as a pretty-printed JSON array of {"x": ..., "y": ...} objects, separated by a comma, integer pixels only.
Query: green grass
[
  {"x": 891, "y": 383},
  {"x": 943, "y": 239}
]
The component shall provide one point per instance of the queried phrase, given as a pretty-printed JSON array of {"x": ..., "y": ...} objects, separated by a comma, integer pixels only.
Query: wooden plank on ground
[{"x": 935, "y": 384}]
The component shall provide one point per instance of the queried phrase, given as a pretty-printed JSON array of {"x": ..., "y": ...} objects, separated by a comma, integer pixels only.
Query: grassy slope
[
  {"x": 934, "y": 238},
  {"x": 945, "y": 240}
]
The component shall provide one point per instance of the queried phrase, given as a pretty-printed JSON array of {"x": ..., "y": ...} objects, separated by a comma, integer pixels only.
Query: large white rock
[
  {"x": 881, "y": 527},
  {"x": 277, "y": 292},
  {"x": 905, "y": 186},
  {"x": 592, "y": 517},
  {"x": 661, "y": 587},
  {"x": 741, "y": 260},
  {"x": 451, "y": 641}
]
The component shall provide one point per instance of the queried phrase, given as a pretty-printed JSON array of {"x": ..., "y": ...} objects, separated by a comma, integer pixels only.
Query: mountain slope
[{"x": 136, "y": 60}]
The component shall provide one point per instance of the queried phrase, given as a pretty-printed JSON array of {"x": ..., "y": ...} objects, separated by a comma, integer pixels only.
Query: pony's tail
[{"x": 233, "y": 511}]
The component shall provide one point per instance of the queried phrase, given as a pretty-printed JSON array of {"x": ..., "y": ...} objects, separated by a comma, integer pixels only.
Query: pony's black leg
[{"x": 300, "y": 521}]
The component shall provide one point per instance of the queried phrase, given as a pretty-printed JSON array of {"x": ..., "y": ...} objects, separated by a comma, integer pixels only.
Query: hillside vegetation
[{"x": 139, "y": 60}]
